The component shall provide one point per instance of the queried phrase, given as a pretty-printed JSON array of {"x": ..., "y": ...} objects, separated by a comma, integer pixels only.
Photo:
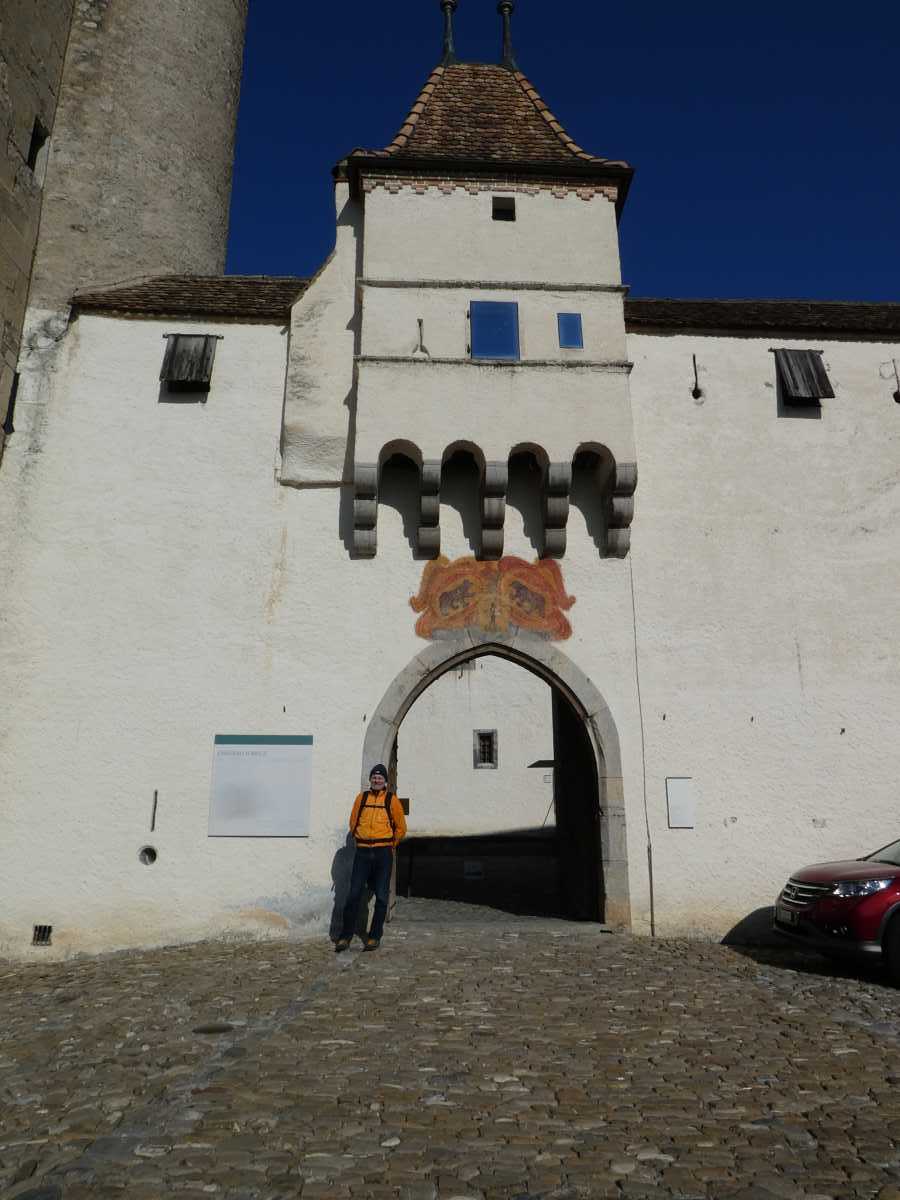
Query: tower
[
  {"x": 480, "y": 250},
  {"x": 32, "y": 49},
  {"x": 139, "y": 170},
  {"x": 119, "y": 122}
]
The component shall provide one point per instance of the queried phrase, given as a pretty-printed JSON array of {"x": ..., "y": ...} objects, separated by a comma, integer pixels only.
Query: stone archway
[{"x": 543, "y": 659}]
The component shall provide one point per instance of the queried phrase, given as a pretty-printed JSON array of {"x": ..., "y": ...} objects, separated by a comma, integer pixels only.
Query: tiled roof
[
  {"x": 824, "y": 318},
  {"x": 474, "y": 112},
  {"x": 270, "y": 298},
  {"x": 252, "y": 297}
]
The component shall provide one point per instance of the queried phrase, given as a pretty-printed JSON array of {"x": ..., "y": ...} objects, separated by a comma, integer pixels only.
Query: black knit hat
[{"x": 379, "y": 769}]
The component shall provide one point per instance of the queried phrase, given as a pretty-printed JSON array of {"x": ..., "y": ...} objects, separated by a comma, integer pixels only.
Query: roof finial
[
  {"x": 506, "y": 8},
  {"x": 448, "y": 7}
]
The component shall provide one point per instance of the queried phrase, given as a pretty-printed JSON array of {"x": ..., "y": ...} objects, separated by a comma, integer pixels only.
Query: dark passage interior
[{"x": 551, "y": 871}]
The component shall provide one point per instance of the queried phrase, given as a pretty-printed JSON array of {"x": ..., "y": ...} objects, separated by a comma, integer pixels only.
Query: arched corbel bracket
[
  {"x": 557, "y": 486},
  {"x": 621, "y": 510},
  {"x": 365, "y": 510},
  {"x": 493, "y": 508},
  {"x": 428, "y": 535}
]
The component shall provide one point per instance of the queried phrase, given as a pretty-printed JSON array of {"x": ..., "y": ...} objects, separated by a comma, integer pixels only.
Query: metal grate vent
[{"x": 41, "y": 936}]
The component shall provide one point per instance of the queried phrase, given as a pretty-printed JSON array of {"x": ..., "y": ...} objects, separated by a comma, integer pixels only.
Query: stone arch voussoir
[{"x": 547, "y": 661}]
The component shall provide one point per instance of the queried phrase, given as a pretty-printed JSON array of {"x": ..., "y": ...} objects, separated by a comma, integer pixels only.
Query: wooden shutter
[
  {"x": 188, "y": 361},
  {"x": 804, "y": 379}
]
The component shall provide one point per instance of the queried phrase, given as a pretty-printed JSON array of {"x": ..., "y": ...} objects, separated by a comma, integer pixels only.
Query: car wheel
[{"x": 891, "y": 948}]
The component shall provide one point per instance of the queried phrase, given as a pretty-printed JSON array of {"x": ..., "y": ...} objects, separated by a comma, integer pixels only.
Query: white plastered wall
[
  {"x": 164, "y": 587},
  {"x": 496, "y": 408},
  {"x": 766, "y": 557},
  {"x": 391, "y": 316},
  {"x": 319, "y": 391},
  {"x": 561, "y": 252},
  {"x": 442, "y": 236},
  {"x": 447, "y": 793}
]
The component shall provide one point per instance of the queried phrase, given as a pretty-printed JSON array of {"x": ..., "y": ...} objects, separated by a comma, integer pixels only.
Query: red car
[{"x": 842, "y": 908}]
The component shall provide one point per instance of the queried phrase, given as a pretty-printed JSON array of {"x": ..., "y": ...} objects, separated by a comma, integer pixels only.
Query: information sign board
[{"x": 261, "y": 786}]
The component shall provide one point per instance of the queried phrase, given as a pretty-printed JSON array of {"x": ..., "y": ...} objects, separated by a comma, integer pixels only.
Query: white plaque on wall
[
  {"x": 680, "y": 798},
  {"x": 261, "y": 786}
]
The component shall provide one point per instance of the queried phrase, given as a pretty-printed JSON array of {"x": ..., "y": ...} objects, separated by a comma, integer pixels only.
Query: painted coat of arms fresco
[{"x": 497, "y": 597}]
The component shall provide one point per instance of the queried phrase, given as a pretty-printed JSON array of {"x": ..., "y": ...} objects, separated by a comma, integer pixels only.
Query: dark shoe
[
  {"x": 341, "y": 944},
  {"x": 371, "y": 944}
]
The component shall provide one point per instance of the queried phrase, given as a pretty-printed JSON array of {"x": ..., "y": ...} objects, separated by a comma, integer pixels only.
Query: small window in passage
[
  {"x": 484, "y": 749},
  {"x": 571, "y": 335},
  {"x": 504, "y": 208}
]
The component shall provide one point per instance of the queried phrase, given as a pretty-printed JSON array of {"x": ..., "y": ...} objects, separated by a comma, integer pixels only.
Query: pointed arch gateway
[{"x": 579, "y": 711}]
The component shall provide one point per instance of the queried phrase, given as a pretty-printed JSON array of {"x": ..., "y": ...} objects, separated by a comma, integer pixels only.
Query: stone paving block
[{"x": 677, "y": 1070}]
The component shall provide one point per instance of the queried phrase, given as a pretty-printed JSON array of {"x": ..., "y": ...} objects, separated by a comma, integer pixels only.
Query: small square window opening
[
  {"x": 503, "y": 208},
  {"x": 484, "y": 749},
  {"x": 8, "y": 420},
  {"x": 571, "y": 335},
  {"x": 188, "y": 362},
  {"x": 494, "y": 329},
  {"x": 37, "y": 150}
]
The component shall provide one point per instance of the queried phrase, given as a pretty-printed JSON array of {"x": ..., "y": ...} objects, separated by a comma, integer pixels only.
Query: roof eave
[
  {"x": 785, "y": 318},
  {"x": 355, "y": 166}
]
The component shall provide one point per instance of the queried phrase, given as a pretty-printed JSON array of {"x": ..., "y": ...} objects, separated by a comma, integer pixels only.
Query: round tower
[{"x": 139, "y": 174}]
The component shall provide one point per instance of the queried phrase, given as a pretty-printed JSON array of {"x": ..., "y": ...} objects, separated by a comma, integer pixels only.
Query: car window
[{"x": 887, "y": 854}]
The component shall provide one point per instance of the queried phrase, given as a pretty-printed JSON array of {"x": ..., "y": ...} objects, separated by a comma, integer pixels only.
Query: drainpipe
[{"x": 637, "y": 680}]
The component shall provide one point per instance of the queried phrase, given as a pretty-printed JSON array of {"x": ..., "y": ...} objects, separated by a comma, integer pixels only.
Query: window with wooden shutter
[
  {"x": 802, "y": 376},
  {"x": 188, "y": 361}
]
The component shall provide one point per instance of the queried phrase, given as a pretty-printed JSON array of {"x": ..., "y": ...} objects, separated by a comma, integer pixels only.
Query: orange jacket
[{"x": 374, "y": 823}]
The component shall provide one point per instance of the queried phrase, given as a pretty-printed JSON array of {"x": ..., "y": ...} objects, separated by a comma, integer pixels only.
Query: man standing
[{"x": 378, "y": 826}]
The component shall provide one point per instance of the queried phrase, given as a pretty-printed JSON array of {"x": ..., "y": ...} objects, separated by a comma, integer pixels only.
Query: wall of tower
[
  {"x": 139, "y": 173},
  {"x": 32, "y": 48},
  {"x": 404, "y": 257}
]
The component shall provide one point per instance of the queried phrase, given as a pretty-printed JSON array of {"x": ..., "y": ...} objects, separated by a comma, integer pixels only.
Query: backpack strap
[{"x": 362, "y": 805}]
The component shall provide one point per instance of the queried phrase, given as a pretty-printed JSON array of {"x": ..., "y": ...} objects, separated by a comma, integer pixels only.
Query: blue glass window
[
  {"x": 571, "y": 336},
  {"x": 495, "y": 329}
]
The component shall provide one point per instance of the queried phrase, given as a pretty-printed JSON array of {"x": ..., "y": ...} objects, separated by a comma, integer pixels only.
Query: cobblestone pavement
[{"x": 488, "y": 1058}]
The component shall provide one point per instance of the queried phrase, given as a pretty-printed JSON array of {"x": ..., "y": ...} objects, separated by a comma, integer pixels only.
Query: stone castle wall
[
  {"x": 32, "y": 48},
  {"x": 139, "y": 174}
]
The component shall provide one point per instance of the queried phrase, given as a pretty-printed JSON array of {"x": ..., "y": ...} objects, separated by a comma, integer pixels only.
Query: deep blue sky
[{"x": 765, "y": 136}]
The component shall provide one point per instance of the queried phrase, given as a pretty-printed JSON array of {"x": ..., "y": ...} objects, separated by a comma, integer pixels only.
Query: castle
[{"x": 608, "y": 582}]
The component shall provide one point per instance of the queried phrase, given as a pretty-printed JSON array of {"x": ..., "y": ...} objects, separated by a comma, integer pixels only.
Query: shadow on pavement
[{"x": 753, "y": 937}]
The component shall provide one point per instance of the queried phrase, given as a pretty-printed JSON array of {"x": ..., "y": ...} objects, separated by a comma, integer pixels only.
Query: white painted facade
[
  {"x": 766, "y": 558},
  {"x": 448, "y": 794},
  {"x": 173, "y": 571},
  {"x": 361, "y": 303},
  {"x": 439, "y": 237},
  {"x": 163, "y": 586}
]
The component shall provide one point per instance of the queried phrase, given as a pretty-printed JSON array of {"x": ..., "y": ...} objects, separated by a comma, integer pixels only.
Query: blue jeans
[{"x": 372, "y": 867}]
